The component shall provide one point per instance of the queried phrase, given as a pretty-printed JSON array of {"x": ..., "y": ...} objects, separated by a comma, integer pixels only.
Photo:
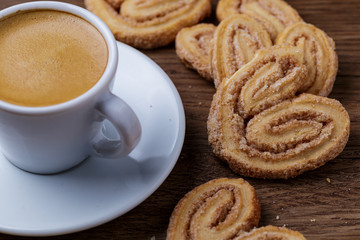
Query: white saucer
[{"x": 100, "y": 190}]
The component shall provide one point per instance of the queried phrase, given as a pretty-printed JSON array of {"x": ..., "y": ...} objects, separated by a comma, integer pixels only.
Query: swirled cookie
[
  {"x": 151, "y": 23},
  {"x": 258, "y": 125},
  {"x": 271, "y": 233},
  {"x": 275, "y": 15},
  {"x": 235, "y": 43},
  {"x": 193, "y": 46},
  {"x": 320, "y": 57},
  {"x": 219, "y": 209}
]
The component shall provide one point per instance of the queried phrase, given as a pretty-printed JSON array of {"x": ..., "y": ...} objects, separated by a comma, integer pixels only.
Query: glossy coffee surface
[{"x": 48, "y": 57}]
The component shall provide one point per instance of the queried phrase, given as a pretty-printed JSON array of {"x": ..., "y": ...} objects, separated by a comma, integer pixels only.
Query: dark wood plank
[{"x": 308, "y": 203}]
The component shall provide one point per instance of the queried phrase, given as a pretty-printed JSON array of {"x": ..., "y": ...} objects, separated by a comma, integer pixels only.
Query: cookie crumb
[
  {"x": 313, "y": 220},
  {"x": 328, "y": 180},
  {"x": 277, "y": 217}
]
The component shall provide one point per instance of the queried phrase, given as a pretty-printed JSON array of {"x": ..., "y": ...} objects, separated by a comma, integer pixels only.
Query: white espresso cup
[{"x": 54, "y": 138}]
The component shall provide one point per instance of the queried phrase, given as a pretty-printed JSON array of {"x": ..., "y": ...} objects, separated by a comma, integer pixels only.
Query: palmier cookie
[
  {"x": 235, "y": 43},
  {"x": 148, "y": 24},
  {"x": 275, "y": 15},
  {"x": 262, "y": 129},
  {"x": 219, "y": 209},
  {"x": 319, "y": 53},
  {"x": 193, "y": 46},
  {"x": 271, "y": 233}
]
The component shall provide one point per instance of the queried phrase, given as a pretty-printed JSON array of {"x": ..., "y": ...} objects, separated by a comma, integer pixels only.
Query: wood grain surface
[{"x": 322, "y": 204}]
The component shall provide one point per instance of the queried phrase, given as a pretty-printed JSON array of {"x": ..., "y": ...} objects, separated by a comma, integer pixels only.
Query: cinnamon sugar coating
[
  {"x": 151, "y": 23},
  {"x": 219, "y": 209},
  {"x": 261, "y": 128},
  {"x": 275, "y": 15},
  {"x": 319, "y": 53},
  {"x": 193, "y": 46}
]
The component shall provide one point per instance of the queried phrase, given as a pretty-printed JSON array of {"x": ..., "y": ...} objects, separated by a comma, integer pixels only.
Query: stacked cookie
[
  {"x": 252, "y": 25},
  {"x": 270, "y": 117}
]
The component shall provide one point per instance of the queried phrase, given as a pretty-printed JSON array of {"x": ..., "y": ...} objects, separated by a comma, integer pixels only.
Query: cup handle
[{"x": 125, "y": 122}]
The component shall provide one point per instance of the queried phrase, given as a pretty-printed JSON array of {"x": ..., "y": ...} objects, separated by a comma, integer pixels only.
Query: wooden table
[{"x": 322, "y": 204}]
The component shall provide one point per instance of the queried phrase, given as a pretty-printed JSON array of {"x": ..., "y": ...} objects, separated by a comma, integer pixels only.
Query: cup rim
[{"x": 99, "y": 85}]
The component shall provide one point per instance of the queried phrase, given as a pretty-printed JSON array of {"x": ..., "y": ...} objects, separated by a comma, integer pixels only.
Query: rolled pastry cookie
[
  {"x": 151, "y": 23},
  {"x": 193, "y": 46},
  {"x": 219, "y": 209},
  {"x": 235, "y": 43}
]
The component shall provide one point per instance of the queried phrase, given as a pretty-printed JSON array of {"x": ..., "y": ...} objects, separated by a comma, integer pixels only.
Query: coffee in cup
[{"x": 48, "y": 57}]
